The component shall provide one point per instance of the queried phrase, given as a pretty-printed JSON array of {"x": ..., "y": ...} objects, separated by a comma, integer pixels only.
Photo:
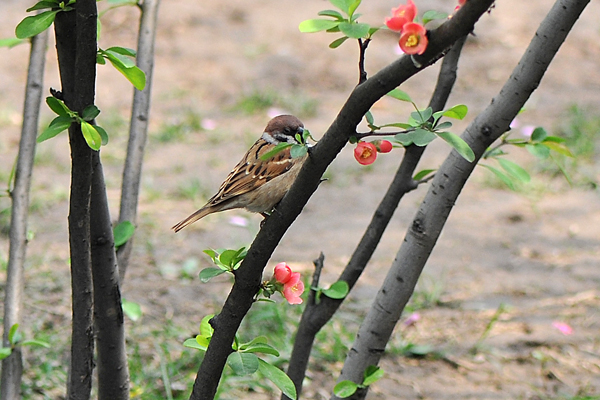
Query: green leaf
[
  {"x": 369, "y": 118},
  {"x": 132, "y": 310},
  {"x": 554, "y": 139},
  {"x": 58, "y": 124},
  {"x": 11, "y": 42},
  {"x": 372, "y": 374},
  {"x": 243, "y": 363},
  {"x": 91, "y": 135},
  {"x": 103, "y": 134},
  {"x": 31, "y": 26},
  {"x": 298, "y": 150},
  {"x": 278, "y": 377},
  {"x": 459, "y": 145},
  {"x": 345, "y": 389},
  {"x": 122, "y": 232},
  {"x": 539, "y": 150},
  {"x": 338, "y": 42},
  {"x": 202, "y": 341},
  {"x": 433, "y": 14},
  {"x": 193, "y": 344},
  {"x": 261, "y": 348},
  {"x": 208, "y": 273},
  {"x": 514, "y": 169},
  {"x": 40, "y": 5},
  {"x": 422, "y": 137},
  {"x": 12, "y": 334},
  {"x": 397, "y": 125},
  {"x": 338, "y": 290},
  {"x": 558, "y": 147},
  {"x": 352, "y": 8},
  {"x": 280, "y": 147},
  {"x": 457, "y": 112},
  {"x": 206, "y": 328},
  {"x": 58, "y": 106},
  {"x": 422, "y": 174},
  {"x": 400, "y": 95},
  {"x": 35, "y": 342},
  {"x": 539, "y": 134},
  {"x": 501, "y": 175},
  {"x": 118, "y": 58},
  {"x": 5, "y": 352},
  {"x": 90, "y": 112},
  {"x": 331, "y": 13},
  {"x": 343, "y": 5},
  {"x": 127, "y": 67},
  {"x": 354, "y": 30},
  {"x": 405, "y": 139},
  {"x": 125, "y": 51},
  {"x": 425, "y": 114},
  {"x": 317, "y": 25},
  {"x": 444, "y": 125}
]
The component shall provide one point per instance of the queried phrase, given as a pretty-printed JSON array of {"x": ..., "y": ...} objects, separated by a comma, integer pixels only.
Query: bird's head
[{"x": 283, "y": 129}]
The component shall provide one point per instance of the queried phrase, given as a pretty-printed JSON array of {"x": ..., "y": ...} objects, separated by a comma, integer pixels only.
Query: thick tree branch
[
  {"x": 360, "y": 101},
  {"x": 315, "y": 316},
  {"x": 12, "y": 366},
  {"x": 399, "y": 284}
]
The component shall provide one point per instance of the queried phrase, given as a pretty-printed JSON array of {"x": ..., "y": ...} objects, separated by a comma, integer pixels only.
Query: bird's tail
[{"x": 203, "y": 212}]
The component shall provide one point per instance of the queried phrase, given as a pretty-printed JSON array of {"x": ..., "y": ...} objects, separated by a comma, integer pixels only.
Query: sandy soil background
[{"x": 535, "y": 250}]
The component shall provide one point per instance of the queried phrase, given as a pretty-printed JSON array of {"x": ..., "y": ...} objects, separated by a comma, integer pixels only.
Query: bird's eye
[{"x": 287, "y": 130}]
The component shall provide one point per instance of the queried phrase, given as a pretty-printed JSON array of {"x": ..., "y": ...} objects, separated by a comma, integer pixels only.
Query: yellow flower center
[
  {"x": 366, "y": 153},
  {"x": 412, "y": 40}
]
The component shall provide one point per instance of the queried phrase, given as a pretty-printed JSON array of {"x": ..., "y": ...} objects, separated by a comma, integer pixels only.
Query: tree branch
[{"x": 421, "y": 237}]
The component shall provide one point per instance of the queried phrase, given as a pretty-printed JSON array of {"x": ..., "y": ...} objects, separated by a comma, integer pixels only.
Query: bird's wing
[{"x": 252, "y": 172}]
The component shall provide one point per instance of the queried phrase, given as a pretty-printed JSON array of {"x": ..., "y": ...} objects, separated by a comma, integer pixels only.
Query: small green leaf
[
  {"x": 125, "y": 51},
  {"x": 331, "y": 13},
  {"x": 343, "y": 5},
  {"x": 91, "y": 135},
  {"x": 539, "y": 150},
  {"x": 90, "y": 112},
  {"x": 433, "y": 14},
  {"x": 31, "y": 26},
  {"x": 422, "y": 174},
  {"x": 444, "y": 125},
  {"x": 558, "y": 147},
  {"x": 122, "y": 232},
  {"x": 405, "y": 139},
  {"x": 457, "y": 112},
  {"x": 127, "y": 67},
  {"x": 372, "y": 374},
  {"x": 202, "y": 341},
  {"x": 514, "y": 169},
  {"x": 11, "y": 42},
  {"x": 5, "y": 352},
  {"x": 539, "y": 134},
  {"x": 400, "y": 95},
  {"x": 338, "y": 42},
  {"x": 12, "y": 334},
  {"x": 352, "y": 8},
  {"x": 100, "y": 59},
  {"x": 280, "y": 147},
  {"x": 354, "y": 30},
  {"x": 118, "y": 58},
  {"x": 40, "y": 5},
  {"x": 459, "y": 145},
  {"x": 192, "y": 344},
  {"x": 278, "y": 377},
  {"x": 35, "y": 342},
  {"x": 58, "y": 124},
  {"x": 243, "y": 363},
  {"x": 317, "y": 25},
  {"x": 554, "y": 139},
  {"x": 345, "y": 389},
  {"x": 422, "y": 137},
  {"x": 426, "y": 114},
  {"x": 103, "y": 134},
  {"x": 132, "y": 310},
  {"x": 58, "y": 106},
  {"x": 262, "y": 348},
  {"x": 208, "y": 273},
  {"x": 338, "y": 290},
  {"x": 298, "y": 151},
  {"x": 397, "y": 125},
  {"x": 501, "y": 175},
  {"x": 206, "y": 328}
]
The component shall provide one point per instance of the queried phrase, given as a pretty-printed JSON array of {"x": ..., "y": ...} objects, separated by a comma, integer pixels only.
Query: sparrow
[{"x": 255, "y": 184}]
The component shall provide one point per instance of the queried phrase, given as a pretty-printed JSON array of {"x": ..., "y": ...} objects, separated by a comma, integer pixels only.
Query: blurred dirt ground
[{"x": 221, "y": 67}]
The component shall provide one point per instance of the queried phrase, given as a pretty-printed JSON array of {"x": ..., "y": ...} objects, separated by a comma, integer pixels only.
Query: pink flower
[
  {"x": 383, "y": 146},
  {"x": 293, "y": 289},
  {"x": 401, "y": 15},
  {"x": 283, "y": 273},
  {"x": 413, "y": 39},
  {"x": 365, "y": 153},
  {"x": 563, "y": 327}
]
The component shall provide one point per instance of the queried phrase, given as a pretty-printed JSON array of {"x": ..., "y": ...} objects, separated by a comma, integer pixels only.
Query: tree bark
[
  {"x": 12, "y": 366},
  {"x": 449, "y": 180},
  {"x": 138, "y": 130},
  {"x": 249, "y": 274}
]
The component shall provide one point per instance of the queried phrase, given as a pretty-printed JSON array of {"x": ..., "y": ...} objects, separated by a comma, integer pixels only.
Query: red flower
[
  {"x": 283, "y": 273},
  {"x": 365, "y": 153},
  {"x": 383, "y": 146},
  {"x": 461, "y": 2},
  {"x": 401, "y": 15},
  {"x": 413, "y": 39},
  {"x": 293, "y": 288}
]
